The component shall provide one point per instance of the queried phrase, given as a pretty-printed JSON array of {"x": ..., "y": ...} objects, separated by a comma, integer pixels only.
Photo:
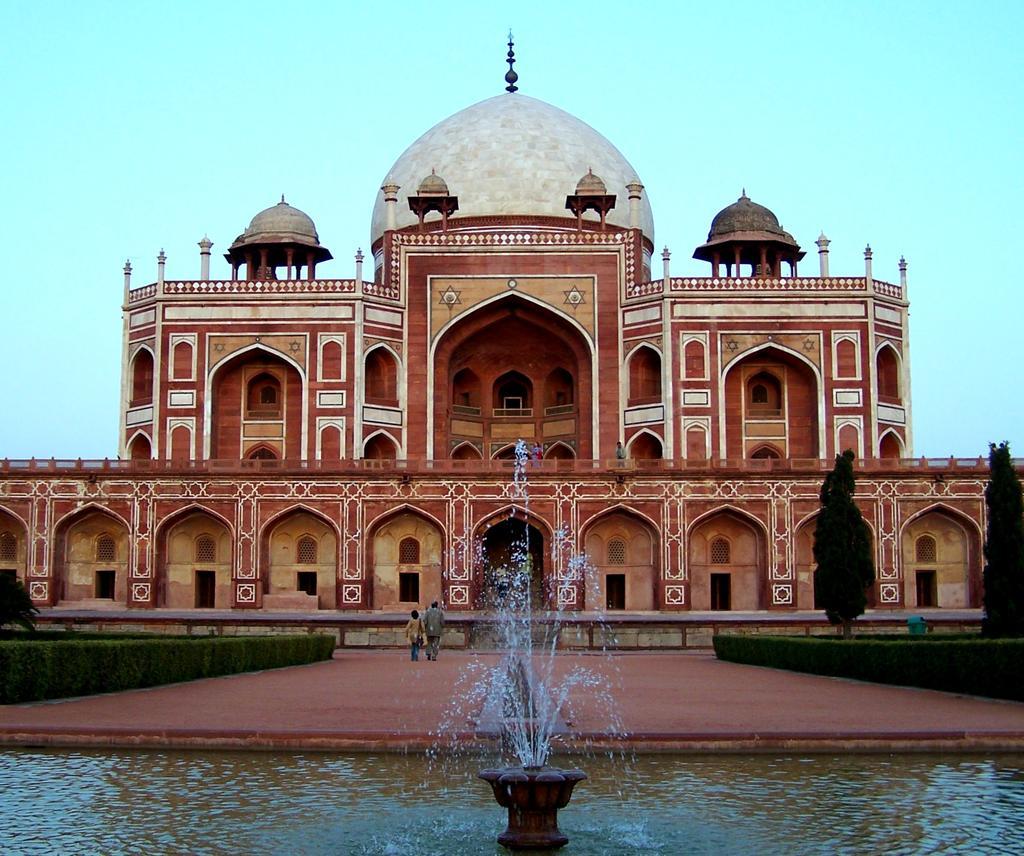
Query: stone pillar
[
  {"x": 359, "y": 267},
  {"x": 390, "y": 190},
  {"x": 665, "y": 256},
  {"x": 290, "y": 262},
  {"x": 161, "y": 261},
  {"x": 903, "y": 276},
  {"x": 636, "y": 190},
  {"x": 204, "y": 258},
  {"x": 823, "y": 243},
  {"x": 867, "y": 265},
  {"x": 127, "y": 279}
]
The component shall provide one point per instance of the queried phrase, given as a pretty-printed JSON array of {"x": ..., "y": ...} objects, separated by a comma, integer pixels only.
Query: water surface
[{"x": 150, "y": 802}]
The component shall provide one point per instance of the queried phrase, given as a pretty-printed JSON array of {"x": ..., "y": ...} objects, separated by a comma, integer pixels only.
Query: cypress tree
[
  {"x": 1004, "y": 547},
  {"x": 842, "y": 549}
]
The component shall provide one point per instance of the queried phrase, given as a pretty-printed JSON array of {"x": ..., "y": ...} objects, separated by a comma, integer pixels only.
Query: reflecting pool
[{"x": 309, "y": 803}]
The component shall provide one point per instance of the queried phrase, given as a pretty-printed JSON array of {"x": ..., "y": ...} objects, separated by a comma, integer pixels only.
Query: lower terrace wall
[
  {"x": 471, "y": 632},
  {"x": 247, "y": 535}
]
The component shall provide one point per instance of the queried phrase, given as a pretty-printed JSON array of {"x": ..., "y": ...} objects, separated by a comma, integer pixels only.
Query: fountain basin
[{"x": 533, "y": 796}]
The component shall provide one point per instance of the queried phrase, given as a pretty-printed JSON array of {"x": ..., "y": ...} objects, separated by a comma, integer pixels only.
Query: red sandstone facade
[{"x": 314, "y": 443}]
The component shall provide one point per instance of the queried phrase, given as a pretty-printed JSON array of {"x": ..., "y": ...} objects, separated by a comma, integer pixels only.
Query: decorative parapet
[
  {"x": 139, "y": 294},
  {"x": 503, "y": 238},
  {"x": 227, "y": 286},
  {"x": 682, "y": 284}
]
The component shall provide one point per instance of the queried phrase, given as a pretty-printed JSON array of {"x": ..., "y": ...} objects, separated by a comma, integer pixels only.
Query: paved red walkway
[{"x": 666, "y": 701}]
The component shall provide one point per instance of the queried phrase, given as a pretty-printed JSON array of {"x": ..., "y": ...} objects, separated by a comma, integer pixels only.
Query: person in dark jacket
[{"x": 433, "y": 623}]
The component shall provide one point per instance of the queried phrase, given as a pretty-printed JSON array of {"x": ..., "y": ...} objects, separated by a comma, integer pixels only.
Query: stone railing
[
  {"x": 976, "y": 467},
  {"x": 227, "y": 286},
  {"x": 681, "y": 284}
]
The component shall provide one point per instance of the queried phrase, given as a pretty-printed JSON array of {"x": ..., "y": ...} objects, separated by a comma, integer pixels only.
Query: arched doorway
[
  {"x": 301, "y": 558},
  {"x": 380, "y": 447},
  {"x": 805, "y": 565},
  {"x": 644, "y": 446},
  {"x": 195, "y": 560},
  {"x": 508, "y": 370},
  {"x": 407, "y": 562},
  {"x": 257, "y": 404},
  {"x": 726, "y": 562},
  {"x": 771, "y": 401},
  {"x": 512, "y": 564},
  {"x": 622, "y": 550},
  {"x": 92, "y": 549},
  {"x": 941, "y": 562},
  {"x": 13, "y": 548}
]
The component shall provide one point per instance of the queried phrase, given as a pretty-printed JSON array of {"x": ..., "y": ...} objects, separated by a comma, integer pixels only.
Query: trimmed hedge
[
  {"x": 984, "y": 667},
  {"x": 36, "y": 670}
]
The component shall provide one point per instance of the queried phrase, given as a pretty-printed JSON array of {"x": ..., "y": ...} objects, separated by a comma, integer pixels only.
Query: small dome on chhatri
[
  {"x": 744, "y": 216},
  {"x": 591, "y": 185},
  {"x": 433, "y": 185},
  {"x": 280, "y": 223}
]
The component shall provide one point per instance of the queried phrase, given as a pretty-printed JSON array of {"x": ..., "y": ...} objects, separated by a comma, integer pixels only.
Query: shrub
[
  {"x": 33, "y": 670},
  {"x": 985, "y": 667}
]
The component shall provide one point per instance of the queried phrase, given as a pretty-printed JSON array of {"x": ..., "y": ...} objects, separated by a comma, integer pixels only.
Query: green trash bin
[{"x": 917, "y": 625}]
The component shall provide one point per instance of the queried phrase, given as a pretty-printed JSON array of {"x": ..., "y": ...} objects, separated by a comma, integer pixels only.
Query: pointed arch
[
  {"x": 732, "y": 578},
  {"x": 178, "y": 582},
  {"x": 375, "y": 443},
  {"x": 382, "y": 375},
  {"x": 286, "y": 579},
  {"x": 952, "y": 576},
  {"x": 889, "y": 442},
  {"x": 212, "y": 373},
  {"x": 618, "y": 508},
  {"x": 396, "y": 583},
  {"x": 505, "y": 453},
  {"x": 646, "y": 436},
  {"x": 888, "y": 373},
  {"x": 142, "y": 376},
  {"x": 466, "y": 451},
  {"x": 643, "y": 373},
  {"x": 139, "y": 446},
  {"x": 512, "y": 510},
  {"x": 80, "y": 572},
  {"x": 742, "y": 357},
  {"x": 559, "y": 451}
]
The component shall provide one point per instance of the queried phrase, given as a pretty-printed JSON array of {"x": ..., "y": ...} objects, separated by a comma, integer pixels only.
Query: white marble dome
[{"x": 512, "y": 154}]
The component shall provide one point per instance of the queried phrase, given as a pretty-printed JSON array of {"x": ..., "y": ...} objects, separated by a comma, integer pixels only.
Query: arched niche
[
  {"x": 380, "y": 447},
  {"x": 503, "y": 539},
  {"x": 381, "y": 377},
  {"x": 419, "y": 582},
  {"x": 142, "y": 374},
  {"x": 139, "y": 448},
  {"x": 466, "y": 452},
  {"x": 92, "y": 552},
  {"x": 300, "y": 552},
  {"x": 522, "y": 357},
  {"x": 622, "y": 548},
  {"x": 257, "y": 400},
  {"x": 941, "y": 559},
  {"x": 195, "y": 558},
  {"x": 887, "y": 375},
  {"x": 644, "y": 373},
  {"x": 735, "y": 584},
  {"x": 786, "y": 412},
  {"x": 13, "y": 547},
  {"x": 890, "y": 446},
  {"x": 512, "y": 394},
  {"x": 645, "y": 446}
]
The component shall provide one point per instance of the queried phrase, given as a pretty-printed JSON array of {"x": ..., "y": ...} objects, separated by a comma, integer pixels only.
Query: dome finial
[
  {"x": 282, "y": 199},
  {"x": 510, "y": 76}
]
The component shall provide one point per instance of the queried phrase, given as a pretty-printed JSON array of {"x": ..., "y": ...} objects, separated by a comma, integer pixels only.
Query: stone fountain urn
[{"x": 533, "y": 796}]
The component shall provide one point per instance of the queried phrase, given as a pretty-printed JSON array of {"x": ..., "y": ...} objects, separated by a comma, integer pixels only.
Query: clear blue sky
[{"x": 127, "y": 127}]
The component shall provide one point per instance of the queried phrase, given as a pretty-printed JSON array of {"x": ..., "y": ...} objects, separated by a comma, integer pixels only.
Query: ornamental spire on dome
[{"x": 510, "y": 76}]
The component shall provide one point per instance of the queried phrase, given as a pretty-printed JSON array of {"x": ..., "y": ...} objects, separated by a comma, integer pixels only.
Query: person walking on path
[
  {"x": 414, "y": 633},
  {"x": 433, "y": 622}
]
